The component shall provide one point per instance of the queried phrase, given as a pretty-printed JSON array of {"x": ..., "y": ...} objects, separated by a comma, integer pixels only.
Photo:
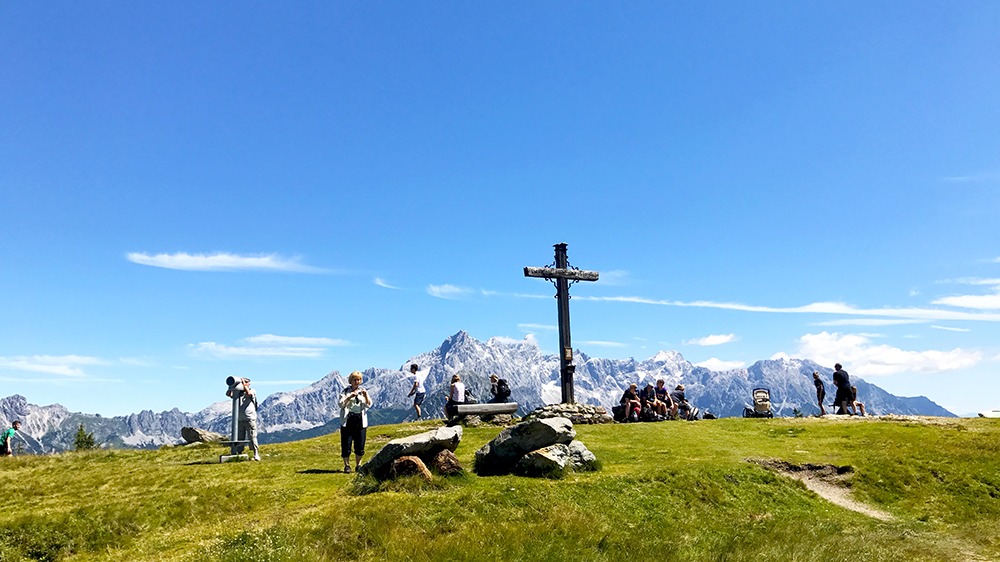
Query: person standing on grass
[
  {"x": 7, "y": 443},
  {"x": 842, "y": 381},
  {"x": 354, "y": 403},
  {"x": 246, "y": 421},
  {"x": 820, "y": 392},
  {"x": 418, "y": 391}
]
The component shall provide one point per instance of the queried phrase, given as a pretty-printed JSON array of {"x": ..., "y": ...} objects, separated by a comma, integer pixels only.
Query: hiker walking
[
  {"x": 418, "y": 391},
  {"x": 7, "y": 443}
]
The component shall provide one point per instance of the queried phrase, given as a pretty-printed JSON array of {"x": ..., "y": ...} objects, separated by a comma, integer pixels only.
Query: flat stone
[
  {"x": 421, "y": 444},
  {"x": 411, "y": 466},
  {"x": 500, "y": 455}
]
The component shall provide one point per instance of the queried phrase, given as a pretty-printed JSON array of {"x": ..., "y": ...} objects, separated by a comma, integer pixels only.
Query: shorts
[{"x": 418, "y": 399}]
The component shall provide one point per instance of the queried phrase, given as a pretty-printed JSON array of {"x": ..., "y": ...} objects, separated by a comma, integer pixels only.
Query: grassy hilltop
[{"x": 667, "y": 491}]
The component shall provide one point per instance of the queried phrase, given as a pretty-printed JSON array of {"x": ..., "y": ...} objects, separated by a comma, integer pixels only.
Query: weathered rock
[
  {"x": 500, "y": 455},
  {"x": 555, "y": 460},
  {"x": 196, "y": 435},
  {"x": 446, "y": 463},
  {"x": 549, "y": 462},
  {"x": 581, "y": 458},
  {"x": 577, "y": 413},
  {"x": 421, "y": 444},
  {"x": 411, "y": 466}
]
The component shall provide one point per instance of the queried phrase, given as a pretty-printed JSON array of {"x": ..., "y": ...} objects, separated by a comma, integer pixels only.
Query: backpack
[
  {"x": 503, "y": 390},
  {"x": 470, "y": 398}
]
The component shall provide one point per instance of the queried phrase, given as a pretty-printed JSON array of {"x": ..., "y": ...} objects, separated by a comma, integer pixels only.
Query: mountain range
[{"x": 532, "y": 376}]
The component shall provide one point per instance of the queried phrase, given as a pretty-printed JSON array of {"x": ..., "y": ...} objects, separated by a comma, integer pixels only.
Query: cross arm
[{"x": 553, "y": 273}]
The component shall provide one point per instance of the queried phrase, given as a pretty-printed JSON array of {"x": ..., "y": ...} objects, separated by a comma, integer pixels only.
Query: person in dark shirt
[
  {"x": 842, "y": 381},
  {"x": 820, "y": 392},
  {"x": 630, "y": 399},
  {"x": 649, "y": 400},
  {"x": 680, "y": 403}
]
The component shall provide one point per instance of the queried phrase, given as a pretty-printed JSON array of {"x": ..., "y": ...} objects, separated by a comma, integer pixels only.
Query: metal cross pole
[{"x": 562, "y": 275}]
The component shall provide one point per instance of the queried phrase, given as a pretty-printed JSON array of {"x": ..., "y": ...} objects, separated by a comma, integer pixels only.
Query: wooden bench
[{"x": 489, "y": 409}]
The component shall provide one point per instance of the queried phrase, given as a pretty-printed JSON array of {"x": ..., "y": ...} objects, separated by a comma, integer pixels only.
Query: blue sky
[{"x": 192, "y": 191}]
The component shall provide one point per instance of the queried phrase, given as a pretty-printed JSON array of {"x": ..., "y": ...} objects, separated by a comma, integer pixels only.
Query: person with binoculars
[
  {"x": 354, "y": 403},
  {"x": 247, "y": 418}
]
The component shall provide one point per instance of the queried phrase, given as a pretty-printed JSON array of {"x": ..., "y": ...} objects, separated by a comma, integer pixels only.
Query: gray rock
[
  {"x": 548, "y": 462},
  {"x": 580, "y": 457},
  {"x": 196, "y": 435},
  {"x": 501, "y": 455},
  {"x": 421, "y": 444}
]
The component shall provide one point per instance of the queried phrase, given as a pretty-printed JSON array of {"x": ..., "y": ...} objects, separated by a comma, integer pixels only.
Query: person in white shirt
[
  {"x": 417, "y": 392},
  {"x": 457, "y": 395}
]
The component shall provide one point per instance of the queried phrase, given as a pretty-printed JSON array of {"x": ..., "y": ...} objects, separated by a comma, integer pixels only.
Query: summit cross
[{"x": 562, "y": 275}]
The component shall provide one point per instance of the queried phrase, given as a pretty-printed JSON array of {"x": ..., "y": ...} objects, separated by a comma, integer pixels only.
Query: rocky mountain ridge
[{"x": 532, "y": 376}]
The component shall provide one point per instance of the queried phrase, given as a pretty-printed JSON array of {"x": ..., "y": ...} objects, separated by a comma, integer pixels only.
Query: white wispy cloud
[
  {"x": 64, "y": 365},
  {"x": 447, "y": 291},
  {"x": 614, "y": 277},
  {"x": 221, "y": 261},
  {"x": 297, "y": 340},
  {"x": 604, "y": 343},
  {"x": 866, "y": 359},
  {"x": 269, "y": 345},
  {"x": 978, "y": 302},
  {"x": 138, "y": 361},
  {"x": 714, "y": 364},
  {"x": 867, "y": 322},
  {"x": 381, "y": 283},
  {"x": 975, "y": 280},
  {"x": 712, "y": 340},
  {"x": 527, "y": 327},
  {"x": 951, "y": 329},
  {"x": 232, "y": 352},
  {"x": 280, "y": 383},
  {"x": 981, "y": 177},
  {"x": 913, "y": 313}
]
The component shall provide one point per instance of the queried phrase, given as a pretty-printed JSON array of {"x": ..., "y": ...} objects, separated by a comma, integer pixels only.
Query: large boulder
[
  {"x": 424, "y": 444},
  {"x": 501, "y": 455},
  {"x": 196, "y": 435}
]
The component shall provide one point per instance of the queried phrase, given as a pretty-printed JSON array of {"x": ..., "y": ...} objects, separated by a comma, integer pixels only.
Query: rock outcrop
[
  {"x": 502, "y": 454},
  {"x": 422, "y": 445}
]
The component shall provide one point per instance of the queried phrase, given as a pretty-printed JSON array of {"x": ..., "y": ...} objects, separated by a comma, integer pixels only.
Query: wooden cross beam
[{"x": 561, "y": 275}]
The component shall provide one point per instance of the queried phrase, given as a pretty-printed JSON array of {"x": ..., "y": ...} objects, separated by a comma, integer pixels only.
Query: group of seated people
[{"x": 662, "y": 404}]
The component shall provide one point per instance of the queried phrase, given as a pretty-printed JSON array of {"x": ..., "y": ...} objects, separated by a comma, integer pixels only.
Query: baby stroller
[{"x": 761, "y": 405}]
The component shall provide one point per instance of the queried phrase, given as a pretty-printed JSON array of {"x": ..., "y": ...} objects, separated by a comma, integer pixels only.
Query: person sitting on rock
[
  {"x": 456, "y": 397},
  {"x": 630, "y": 399},
  {"x": 855, "y": 405},
  {"x": 663, "y": 395},
  {"x": 680, "y": 403},
  {"x": 649, "y": 400}
]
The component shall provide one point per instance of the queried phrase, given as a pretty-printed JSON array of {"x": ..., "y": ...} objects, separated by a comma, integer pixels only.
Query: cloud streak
[
  {"x": 293, "y": 340},
  {"x": 912, "y": 313},
  {"x": 63, "y": 365},
  {"x": 381, "y": 283},
  {"x": 269, "y": 345},
  {"x": 714, "y": 364},
  {"x": 223, "y": 262},
  {"x": 712, "y": 340},
  {"x": 450, "y": 292}
]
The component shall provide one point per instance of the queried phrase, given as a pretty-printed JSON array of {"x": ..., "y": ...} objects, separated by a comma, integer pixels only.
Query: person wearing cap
[
  {"x": 648, "y": 399},
  {"x": 680, "y": 403},
  {"x": 7, "y": 442}
]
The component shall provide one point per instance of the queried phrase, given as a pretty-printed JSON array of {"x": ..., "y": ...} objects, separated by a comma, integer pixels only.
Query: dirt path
[{"x": 827, "y": 481}]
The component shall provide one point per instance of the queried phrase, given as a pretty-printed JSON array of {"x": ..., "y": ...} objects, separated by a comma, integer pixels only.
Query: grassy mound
[{"x": 671, "y": 490}]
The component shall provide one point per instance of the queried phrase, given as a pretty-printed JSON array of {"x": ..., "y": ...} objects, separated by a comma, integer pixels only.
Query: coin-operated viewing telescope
[{"x": 237, "y": 386}]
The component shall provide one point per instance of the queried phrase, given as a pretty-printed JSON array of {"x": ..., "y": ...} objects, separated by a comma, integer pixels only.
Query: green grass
[{"x": 672, "y": 490}]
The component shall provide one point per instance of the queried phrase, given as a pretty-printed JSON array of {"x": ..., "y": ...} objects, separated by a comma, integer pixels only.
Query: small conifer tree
[{"x": 84, "y": 440}]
